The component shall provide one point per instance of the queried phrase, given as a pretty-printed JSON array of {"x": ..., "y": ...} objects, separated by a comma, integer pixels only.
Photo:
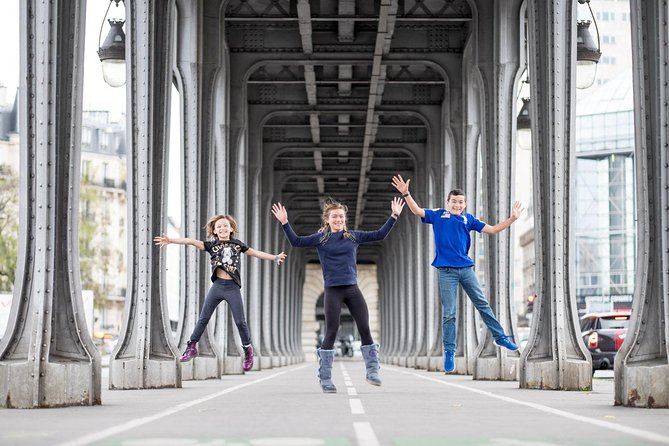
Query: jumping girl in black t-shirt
[{"x": 225, "y": 251}]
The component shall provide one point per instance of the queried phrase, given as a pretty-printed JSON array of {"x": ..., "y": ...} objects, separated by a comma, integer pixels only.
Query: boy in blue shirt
[{"x": 451, "y": 228}]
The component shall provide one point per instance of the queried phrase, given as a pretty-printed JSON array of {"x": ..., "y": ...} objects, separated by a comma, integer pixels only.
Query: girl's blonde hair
[
  {"x": 329, "y": 206},
  {"x": 211, "y": 224}
]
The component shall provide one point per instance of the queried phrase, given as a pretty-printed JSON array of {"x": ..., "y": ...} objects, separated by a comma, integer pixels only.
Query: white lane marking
[
  {"x": 592, "y": 421},
  {"x": 348, "y": 383},
  {"x": 352, "y": 391},
  {"x": 365, "y": 434},
  {"x": 356, "y": 406},
  {"x": 97, "y": 436}
]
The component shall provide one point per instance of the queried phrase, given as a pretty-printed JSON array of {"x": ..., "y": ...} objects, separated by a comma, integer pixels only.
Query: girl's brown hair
[
  {"x": 328, "y": 206},
  {"x": 211, "y": 224}
]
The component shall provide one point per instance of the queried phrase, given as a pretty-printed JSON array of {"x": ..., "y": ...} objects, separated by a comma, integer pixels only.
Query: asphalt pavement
[{"x": 285, "y": 407}]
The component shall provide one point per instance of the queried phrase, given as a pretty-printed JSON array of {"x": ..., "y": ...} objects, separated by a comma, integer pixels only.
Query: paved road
[{"x": 285, "y": 407}]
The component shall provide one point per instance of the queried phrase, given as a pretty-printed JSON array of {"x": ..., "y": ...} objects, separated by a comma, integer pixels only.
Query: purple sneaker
[
  {"x": 191, "y": 351},
  {"x": 248, "y": 358}
]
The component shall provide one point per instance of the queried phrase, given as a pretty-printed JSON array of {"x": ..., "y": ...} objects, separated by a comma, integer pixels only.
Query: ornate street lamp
[
  {"x": 587, "y": 52},
  {"x": 112, "y": 51}
]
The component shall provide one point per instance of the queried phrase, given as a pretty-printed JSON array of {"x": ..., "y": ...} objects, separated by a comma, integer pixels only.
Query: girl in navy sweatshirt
[{"x": 337, "y": 248}]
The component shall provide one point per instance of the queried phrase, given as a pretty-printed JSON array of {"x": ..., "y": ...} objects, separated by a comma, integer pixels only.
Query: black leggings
[
  {"x": 223, "y": 290},
  {"x": 350, "y": 295}
]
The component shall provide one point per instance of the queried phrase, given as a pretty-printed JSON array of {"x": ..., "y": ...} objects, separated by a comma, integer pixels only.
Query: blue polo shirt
[
  {"x": 338, "y": 254},
  {"x": 451, "y": 236}
]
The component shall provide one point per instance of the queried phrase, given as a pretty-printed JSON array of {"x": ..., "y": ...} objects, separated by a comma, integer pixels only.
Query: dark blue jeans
[{"x": 223, "y": 290}]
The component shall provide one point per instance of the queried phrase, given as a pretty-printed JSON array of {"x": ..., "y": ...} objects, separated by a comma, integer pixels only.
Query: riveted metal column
[
  {"x": 254, "y": 266},
  {"x": 500, "y": 47},
  {"x": 395, "y": 316},
  {"x": 286, "y": 287},
  {"x": 283, "y": 317},
  {"x": 270, "y": 291},
  {"x": 196, "y": 70},
  {"x": 418, "y": 243},
  {"x": 467, "y": 329},
  {"x": 47, "y": 358},
  {"x": 408, "y": 295},
  {"x": 435, "y": 344},
  {"x": 146, "y": 355},
  {"x": 264, "y": 287},
  {"x": 234, "y": 198},
  {"x": 555, "y": 356},
  {"x": 385, "y": 304},
  {"x": 407, "y": 253},
  {"x": 642, "y": 365}
]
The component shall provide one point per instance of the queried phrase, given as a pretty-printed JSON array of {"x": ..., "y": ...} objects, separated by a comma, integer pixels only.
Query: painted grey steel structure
[
  {"x": 47, "y": 357},
  {"x": 642, "y": 364},
  {"x": 297, "y": 101}
]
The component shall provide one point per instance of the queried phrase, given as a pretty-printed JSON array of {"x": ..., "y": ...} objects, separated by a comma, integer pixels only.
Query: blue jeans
[
  {"x": 449, "y": 278},
  {"x": 223, "y": 290}
]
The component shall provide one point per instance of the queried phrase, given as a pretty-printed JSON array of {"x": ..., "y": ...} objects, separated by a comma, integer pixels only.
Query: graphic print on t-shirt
[{"x": 226, "y": 256}]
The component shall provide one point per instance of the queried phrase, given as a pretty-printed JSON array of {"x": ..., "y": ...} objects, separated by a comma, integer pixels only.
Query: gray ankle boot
[
  {"x": 371, "y": 355},
  {"x": 325, "y": 360}
]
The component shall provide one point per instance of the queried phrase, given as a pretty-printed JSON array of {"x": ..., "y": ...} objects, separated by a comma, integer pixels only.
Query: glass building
[{"x": 605, "y": 197}]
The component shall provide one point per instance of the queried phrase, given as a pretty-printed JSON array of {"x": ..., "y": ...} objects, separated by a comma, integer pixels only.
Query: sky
[{"x": 97, "y": 94}]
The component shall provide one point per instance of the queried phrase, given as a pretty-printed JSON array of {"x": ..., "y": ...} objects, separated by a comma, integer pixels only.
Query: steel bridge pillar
[
  {"x": 195, "y": 73},
  {"x": 146, "y": 354},
  {"x": 642, "y": 366},
  {"x": 47, "y": 357},
  {"x": 555, "y": 356},
  {"x": 498, "y": 64}
]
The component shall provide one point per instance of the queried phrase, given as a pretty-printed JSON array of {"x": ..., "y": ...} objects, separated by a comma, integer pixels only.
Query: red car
[{"x": 603, "y": 334}]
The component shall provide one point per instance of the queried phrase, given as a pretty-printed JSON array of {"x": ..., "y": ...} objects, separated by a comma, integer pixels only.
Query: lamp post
[
  {"x": 587, "y": 52},
  {"x": 112, "y": 51}
]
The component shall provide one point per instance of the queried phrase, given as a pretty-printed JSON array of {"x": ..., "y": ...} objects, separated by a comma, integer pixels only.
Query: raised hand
[
  {"x": 161, "y": 240},
  {"x": 279, "y": 258},
  {"x": 397, "y": 205},
  {"x": 400, "y": 184},
  {"x": 280, "y": 213},
  {"x": 517, "y": 209}
]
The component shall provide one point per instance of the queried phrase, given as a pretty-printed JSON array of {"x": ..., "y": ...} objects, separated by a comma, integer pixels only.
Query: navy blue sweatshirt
[{"x": 338, "y": 254}]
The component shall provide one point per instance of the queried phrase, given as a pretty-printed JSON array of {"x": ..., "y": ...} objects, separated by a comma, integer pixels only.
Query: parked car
[{"x": 603, "y": 334}]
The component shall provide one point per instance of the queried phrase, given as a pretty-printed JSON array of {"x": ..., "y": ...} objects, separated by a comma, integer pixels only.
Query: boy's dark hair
[{"x": 455, "y": 192}]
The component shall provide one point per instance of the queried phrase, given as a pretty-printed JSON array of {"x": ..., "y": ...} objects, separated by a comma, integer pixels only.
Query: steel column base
[
  {"x": 435, "y": 364},
  {"x": 545, "y": 374},
  {"x": 265, "y": 362},
  {"x": 422, "y": 362},
  {"x": 496, "y": 369},
  {"x": 201, "y": 368},
  {"x": 132, "y": 374},
  {"x": 62, "y": 384},
  {"x": 232, "y": 365},
  {"x": 643, "y": 385}
]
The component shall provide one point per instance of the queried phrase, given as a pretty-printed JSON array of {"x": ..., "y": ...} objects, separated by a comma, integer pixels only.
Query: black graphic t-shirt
[{"x": 225, "y": 255}]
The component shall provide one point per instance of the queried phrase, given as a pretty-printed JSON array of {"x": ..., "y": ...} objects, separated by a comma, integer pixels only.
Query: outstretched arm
[
  {"x": 403, "y": 188},
  {"x": 295, "y": 240},
  {"x": 163, "y": 240},
  {"x": 515, "y": 213},
  {"x": 396, "y": 207},
  {"x": 278, "y": 258}
]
